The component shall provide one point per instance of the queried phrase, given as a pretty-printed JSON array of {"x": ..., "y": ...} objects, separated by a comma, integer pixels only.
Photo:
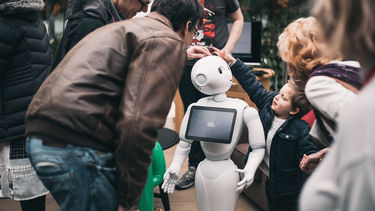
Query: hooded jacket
[
  {"x": 25, "y": 60},
  {"x": 84, "y": 16},
  {"x": 112, "y": 92}
]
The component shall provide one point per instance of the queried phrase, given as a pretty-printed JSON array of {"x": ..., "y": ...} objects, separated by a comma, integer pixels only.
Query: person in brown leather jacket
[{"x": 93, "y": 123}]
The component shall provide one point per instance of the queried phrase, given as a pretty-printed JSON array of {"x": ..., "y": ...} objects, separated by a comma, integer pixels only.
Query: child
[{"x": 287, "y": 136}]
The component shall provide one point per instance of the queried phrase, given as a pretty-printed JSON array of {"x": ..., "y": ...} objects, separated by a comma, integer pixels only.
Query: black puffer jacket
[{"x": 25, "y": 61}]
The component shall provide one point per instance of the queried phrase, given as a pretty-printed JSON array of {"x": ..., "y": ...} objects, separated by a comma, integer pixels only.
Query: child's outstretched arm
[
  {"x": 254, "y": 89},
  {"x": 225, "y": 55}
]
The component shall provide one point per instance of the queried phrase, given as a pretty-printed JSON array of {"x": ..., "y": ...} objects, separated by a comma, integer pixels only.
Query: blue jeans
[{"x": 78, "y": 178}]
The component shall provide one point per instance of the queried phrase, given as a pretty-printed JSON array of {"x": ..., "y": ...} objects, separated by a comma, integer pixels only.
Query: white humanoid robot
[{"x": 217, "y": 122}]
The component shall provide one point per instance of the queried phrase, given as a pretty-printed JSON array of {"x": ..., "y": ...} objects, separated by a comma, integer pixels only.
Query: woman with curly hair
[
  {"x": 329, "y": 83},
  {"x": 345, "y": 179}
]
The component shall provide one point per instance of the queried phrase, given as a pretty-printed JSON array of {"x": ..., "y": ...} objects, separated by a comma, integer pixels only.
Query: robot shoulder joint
[{"x": 250, "y": 114}]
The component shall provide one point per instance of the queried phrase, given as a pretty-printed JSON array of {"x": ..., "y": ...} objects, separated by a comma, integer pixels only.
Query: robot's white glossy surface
[{"x": 218, "y": 181}]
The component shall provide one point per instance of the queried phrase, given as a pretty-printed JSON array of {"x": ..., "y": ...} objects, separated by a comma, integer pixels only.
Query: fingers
[
  {"x": 197, "y": 56},
  {"x": 324, "y": 151},
  {"x": 242, "y": 185},
  {"x": 216, "y": 49},
  {"x": 302, "y": 163},
  {"x": 164, "y": 186},
  {"x": 240, "y": 171},
  {"x": 170, "y": 179},
  {"x": 239, "y": 189},
  {"x": 203, "y": 50},
  {"x": 171, "y": 188},
  {"x": 197, "y": 52},
  {"x": 168, "y": 186}
]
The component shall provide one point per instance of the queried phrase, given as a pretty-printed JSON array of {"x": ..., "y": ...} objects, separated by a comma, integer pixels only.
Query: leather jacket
[{"x": 112, "y": 92}]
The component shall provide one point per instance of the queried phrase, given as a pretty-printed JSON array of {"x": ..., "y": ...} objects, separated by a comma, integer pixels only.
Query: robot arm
[
  {"x": 182, "y": 151},
  {"x": 172, "y": 173},
  {"x": 257, "y": 144}
]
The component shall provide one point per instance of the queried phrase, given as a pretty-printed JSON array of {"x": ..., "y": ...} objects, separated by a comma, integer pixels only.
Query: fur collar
[{"x": 18, "y": 6}]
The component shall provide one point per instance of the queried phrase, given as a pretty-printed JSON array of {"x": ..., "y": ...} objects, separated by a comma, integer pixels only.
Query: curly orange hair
[{"x": 301, "y": 46}]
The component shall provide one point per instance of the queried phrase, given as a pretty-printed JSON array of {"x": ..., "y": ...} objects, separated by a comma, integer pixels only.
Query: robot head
[{"x": 211, "y": 75}]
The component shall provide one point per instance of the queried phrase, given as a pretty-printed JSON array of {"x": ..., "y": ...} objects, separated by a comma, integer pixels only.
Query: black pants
[
  {"x": 283, "y": 203},
  {"x": 189, "y": 94},
  {"x": 37, "y": 204}
]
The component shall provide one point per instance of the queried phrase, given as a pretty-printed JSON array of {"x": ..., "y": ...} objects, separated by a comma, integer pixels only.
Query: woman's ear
[{"x": 294, "y": 112}]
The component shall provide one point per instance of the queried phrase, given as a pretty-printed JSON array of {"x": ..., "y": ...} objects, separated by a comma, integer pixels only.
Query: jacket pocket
[
  {"x": 287, "y": 144},
  {"x": 287, "y": 137}
]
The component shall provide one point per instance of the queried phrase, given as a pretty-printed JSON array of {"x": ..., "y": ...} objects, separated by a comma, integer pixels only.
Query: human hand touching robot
[{"x": 197, "y": 52}]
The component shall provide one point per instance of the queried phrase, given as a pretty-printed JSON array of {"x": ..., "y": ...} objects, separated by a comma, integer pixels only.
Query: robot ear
[{"x": 201, "y": 79}]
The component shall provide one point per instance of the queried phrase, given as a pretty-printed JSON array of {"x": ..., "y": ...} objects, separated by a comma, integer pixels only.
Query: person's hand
[
  {"x": 224, "y": 55},
  {"x": 246, "y": 180},
  {"x": 170, "y": 179},
  {"x": 310, "y": 162},
  {"x": 197, "y": 52}
]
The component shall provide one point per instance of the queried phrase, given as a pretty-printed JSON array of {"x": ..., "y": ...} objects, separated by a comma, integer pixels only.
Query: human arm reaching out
[
  {"x": 257, "y": 144},
  {"x": 225, "y": 55},
  {"x": 235, "y": 31}
]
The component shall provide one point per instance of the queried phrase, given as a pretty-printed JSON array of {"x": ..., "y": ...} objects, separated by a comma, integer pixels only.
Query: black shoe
[{"x": 187, "y": 180}]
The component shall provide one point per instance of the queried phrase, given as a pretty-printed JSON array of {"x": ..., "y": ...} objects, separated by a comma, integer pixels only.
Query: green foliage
[{"x": 275, "y": 16}]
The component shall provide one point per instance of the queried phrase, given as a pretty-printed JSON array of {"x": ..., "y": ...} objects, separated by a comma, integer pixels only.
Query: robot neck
[{"x": 220, "y": 97}]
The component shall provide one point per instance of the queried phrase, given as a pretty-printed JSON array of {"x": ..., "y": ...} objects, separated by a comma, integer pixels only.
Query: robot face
[{"x": 211, "y": 75}]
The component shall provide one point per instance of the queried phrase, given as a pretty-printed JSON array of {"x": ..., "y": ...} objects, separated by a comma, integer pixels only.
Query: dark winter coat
[
  {"x": 289, "y": 143},
  {"x": 25, "y": 61},
  {"x": 84, "y": 16}
]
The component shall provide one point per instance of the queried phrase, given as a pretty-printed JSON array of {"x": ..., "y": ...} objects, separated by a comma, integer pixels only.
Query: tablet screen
[{"x": 211, "y": 124}]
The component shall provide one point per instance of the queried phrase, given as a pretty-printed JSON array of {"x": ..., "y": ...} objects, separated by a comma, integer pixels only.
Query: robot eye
[{"x": 220, "y": 69}]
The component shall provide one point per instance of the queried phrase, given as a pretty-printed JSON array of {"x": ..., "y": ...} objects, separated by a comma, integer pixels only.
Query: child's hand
[
  {"x": 224, "y": 55},
  {"x": 310, "y": 162}
]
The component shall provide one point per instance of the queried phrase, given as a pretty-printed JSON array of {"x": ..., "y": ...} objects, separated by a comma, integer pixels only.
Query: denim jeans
[{"x": 78, "y": 178}]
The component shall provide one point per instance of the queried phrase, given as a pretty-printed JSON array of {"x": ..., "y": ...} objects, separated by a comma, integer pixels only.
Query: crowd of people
[{"x": 83, "y": 124}]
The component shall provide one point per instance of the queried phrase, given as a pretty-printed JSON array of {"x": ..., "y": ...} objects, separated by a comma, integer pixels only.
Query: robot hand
[
  {"x": 170, "y": 179},
  {"x": 246, "y": 180}
]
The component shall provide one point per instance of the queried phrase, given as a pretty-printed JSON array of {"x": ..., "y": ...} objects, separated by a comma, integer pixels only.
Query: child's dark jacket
[{"x": 289, "y": 143}]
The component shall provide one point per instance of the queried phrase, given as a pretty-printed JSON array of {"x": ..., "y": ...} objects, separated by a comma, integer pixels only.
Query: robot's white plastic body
[{"x": 218, "y": 181}]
